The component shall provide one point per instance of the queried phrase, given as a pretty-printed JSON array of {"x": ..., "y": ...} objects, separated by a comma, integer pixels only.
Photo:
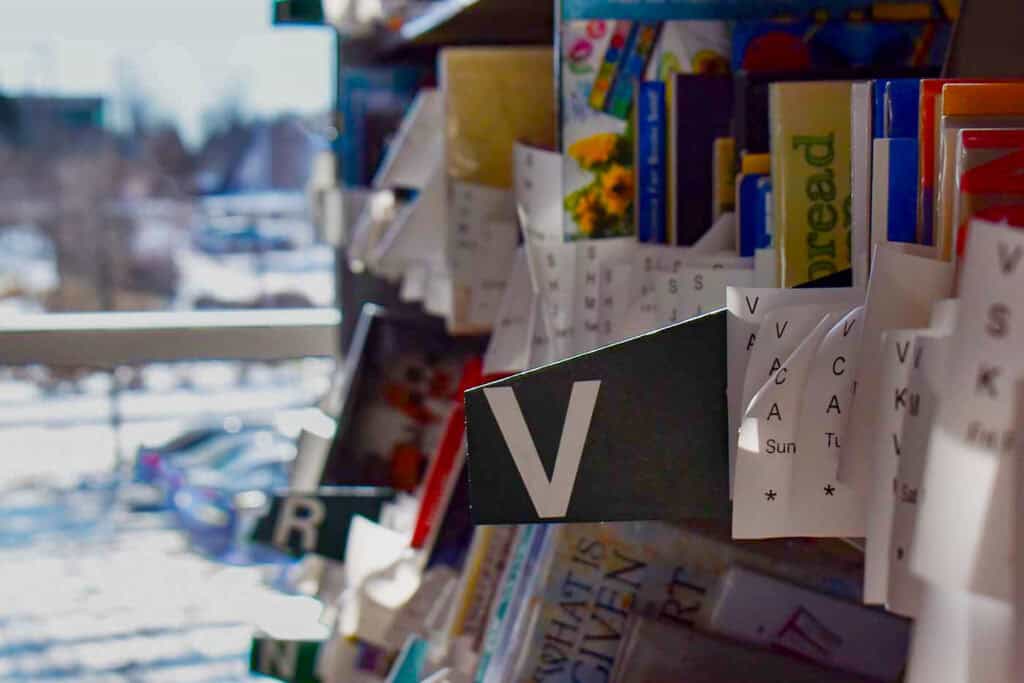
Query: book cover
[
  {"x": 894, "y": 185},
  {"x": 614, "y": 56},
  {"x": 632, "y": 68},
  {"x": 878, "y": 87},
  {"x": 478, "y": 584},
  {"x": 655, "y": 652},
  {"x": 902, "y": 98},
  {"x": 989, "y": 170},
  {"x": 493, "y": 97},
  {"x": 602, "y": 576},
  {"x": 930, "y": 118},
  {"x": 810, "y": 145},
  {"x": 968, "y": 106},
  {"x": 650, "y": 158},
  {"x": 701, "y": 112},
  {"x": 765, "y": 611},
  {"x": 752, "y": 125},
  {"x": 596, "y": 100},
  {"x": 765, "y": 224},
  {"x": 751, "y": 227}
]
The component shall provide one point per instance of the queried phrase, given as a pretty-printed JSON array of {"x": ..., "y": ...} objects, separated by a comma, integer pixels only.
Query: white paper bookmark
[
  {"x": 890, "y": 404},
  {"x": 540, "y": 352},
  {"x": 747, "y": 307},
  {"x": 491, "y": 271},
  {"x": 418, "y": 231},
  {"x": 419, "y": 140},
  {"x": 614, "y": 301},
  {"x": 591, "y": 255},
  {"x": 900, "y": 294},
  {"x": 553, "y": 272},
  {"x": 508, "y": 349},
  {"x": 481, "y": 233},
  {"x": 961, "y": 637},
  {"x": 767, "y": 443},
  {"x": 780, "y": 333},
  {"x": 964, "y": 536},
  {"x": 695, "y": 291},
  {"x": 438, "y": 298},
  {"x": 414, "y": 282},
  {"x": 821, "y": 505},
  {"x": 924, "y": 383}
]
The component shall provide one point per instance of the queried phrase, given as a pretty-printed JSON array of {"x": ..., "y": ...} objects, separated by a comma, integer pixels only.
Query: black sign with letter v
[{"x": 632, "y": 431}]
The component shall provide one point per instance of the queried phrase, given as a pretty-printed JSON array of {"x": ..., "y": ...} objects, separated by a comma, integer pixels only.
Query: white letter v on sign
[{"x": 550, "y": 497}]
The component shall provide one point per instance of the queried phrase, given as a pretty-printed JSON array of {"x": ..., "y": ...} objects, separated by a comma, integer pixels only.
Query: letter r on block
[{"x": 312, "y": 514}]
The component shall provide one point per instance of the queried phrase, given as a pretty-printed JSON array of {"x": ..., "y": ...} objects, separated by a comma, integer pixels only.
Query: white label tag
[
  {"x": 964, "y": 537},
  {"x": 900, "y": 294},
  {"x": 923, "y": 386},
  {"x": 747, "y": 307},
  {"x": 508, "y": 349}
]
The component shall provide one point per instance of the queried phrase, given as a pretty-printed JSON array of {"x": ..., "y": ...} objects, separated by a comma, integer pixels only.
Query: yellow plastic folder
[{"x": 494, "y": 96}]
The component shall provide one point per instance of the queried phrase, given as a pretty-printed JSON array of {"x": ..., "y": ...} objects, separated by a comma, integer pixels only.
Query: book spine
[
  {"x": 671, "y": 179},
  {"x": 902, "y": 207},
  {"x": 650, "y": 162},
  {"x": 750, "y": 210}
]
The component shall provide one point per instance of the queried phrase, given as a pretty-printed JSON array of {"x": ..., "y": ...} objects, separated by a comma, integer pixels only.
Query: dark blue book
[
  {"x": 902, "y": 107},
  {"x": 878, "y": 107},
  {"x": 650, "y": 162},
  {"x": 898, "y": 158},
  {"x": 750, "y": 213},
  {"x": 701, "y": 111},
  {"x": 763, "y": 228}
]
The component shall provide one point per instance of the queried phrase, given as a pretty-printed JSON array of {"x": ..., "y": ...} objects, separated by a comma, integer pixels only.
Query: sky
[{"x": 185, "y": 55}]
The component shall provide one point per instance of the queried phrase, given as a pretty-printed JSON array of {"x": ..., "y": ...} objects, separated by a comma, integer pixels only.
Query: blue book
[
  {"x": 901, "y": 202},
  {"x": 902, "y": 107},
  {"x": 894, "y": 189},
  {"x": 750, "y": 210},
  {"x": 650, "y": 162},
  {"x": 763, "y": 228},
  {"x": 878, "y": 107}
]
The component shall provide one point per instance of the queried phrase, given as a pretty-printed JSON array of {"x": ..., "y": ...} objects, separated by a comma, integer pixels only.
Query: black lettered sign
[
  {"x": 318, "y": 522},
  {"x": 632, "y": 431}
]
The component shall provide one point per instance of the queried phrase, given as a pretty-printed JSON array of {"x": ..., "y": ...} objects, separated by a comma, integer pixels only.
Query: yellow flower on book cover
[
  {"x": 617, "y": 184},
  {"x": 594, "y": 150}
]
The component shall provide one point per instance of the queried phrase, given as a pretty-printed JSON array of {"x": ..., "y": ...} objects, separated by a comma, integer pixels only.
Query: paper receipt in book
[
  {"x": 793, "y": 427},
  {"x": 747, "y": 308},
  {"x": 964, "y": 535}
]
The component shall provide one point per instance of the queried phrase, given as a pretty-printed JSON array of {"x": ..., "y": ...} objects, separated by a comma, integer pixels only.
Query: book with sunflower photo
[
  {"x": 603, "y": 207},
  {"x": 602, "y": 64}
]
